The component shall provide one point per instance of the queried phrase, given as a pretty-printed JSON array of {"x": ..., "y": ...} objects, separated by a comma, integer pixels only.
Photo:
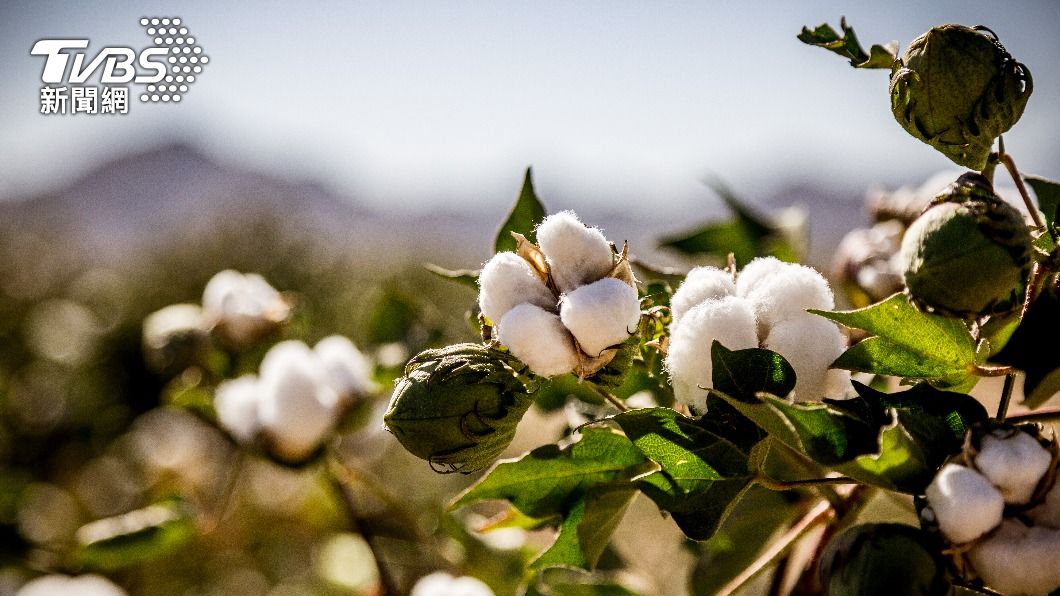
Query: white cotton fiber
[
  {"x": 236, "y": 404},
  {"x": 1048, "y": 512},
  {"x": 701, "y": 284},
  {"x": 443, "y": 584},
  {"x": 508, "y": 280},
  {"x": 539, "y": 339},
  {"x": 576, "y": 253},
  {"x": 601, "y": 314},
  {"x": 243, "y": 306},
  {"x": 297, "y": 407},
  {"x": 779, "y": 290},
  {"x": 346, "y": 369},
  {"x": 1019, "y": 560},
  {"x": 729, "y": 320},
  {"x": 810, "y": 344},
  {"x": 966, "y": 505},
  {"x": 1014, "y": 462}
]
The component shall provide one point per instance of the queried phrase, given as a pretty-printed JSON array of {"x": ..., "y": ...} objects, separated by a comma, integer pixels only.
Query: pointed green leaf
[
  {"x": 1033, "y": 349},
  {"x": 587, "y": 527},
  {"x": 911, "y": 343},
  {"x": 1048, "y": 194},
  {"x": 135, "y": 537},
  {"x": 549, "y": 479},
  {"x": 900, "y": 462},
  {"x": 744, "y": 374},
  {"x": 525, "y": 214},
  {"x": 847, "y": 46},
  {"x": 464, "y": 277}
]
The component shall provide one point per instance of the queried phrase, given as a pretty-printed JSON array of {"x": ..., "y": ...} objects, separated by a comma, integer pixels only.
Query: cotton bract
[
  {"x": 965, "y": 504},
  {"x": 765, "y": 307},
  {"x": 564, "y": 306}
]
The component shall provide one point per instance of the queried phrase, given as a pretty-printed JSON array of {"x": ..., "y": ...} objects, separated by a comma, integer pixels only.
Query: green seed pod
[
  {"x": 969, "y": 253},
  {"x": 883, "y": 559},
  {"x": 457, "y": 407},
  {"x": 957, "y": 89}
]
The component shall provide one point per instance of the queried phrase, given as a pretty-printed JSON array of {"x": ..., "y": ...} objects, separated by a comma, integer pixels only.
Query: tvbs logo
[{"x": 119, "y": 63}]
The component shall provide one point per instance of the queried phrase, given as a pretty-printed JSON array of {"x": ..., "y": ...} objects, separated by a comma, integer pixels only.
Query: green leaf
[
  {"x": 549, "y": 480},
  {"x": 586, "y": 529},
  {"x": 525, "y": 214},
  {"x": 744, "y": 374},
  {"x": 1033, "y": 349},
  {"x": 574, "y": 582},
  {"x": 910, "y": 343},
  {"x": 847, "y": 46},
  {"x": 135, "y": 537},
  {"x": 1048, "y": 194},
  {"x": 392, "y": 316},
  {"x": 464, "y": 277},
  {"x": 701, "y": 475}
]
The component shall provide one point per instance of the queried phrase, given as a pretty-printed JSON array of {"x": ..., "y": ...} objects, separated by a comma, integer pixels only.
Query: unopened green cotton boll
[
  {"x": 969, "y": 254},
  {"x": 701, "y": 284},
  {"x": 1014, "y": 462},
  {"x": 1018, "y": 559},
  {"x": 458, "y": 407},
  {"x": 965, "y": 504},
  {"x": 576, "y": 253},
  {"x": 730, "y": 321},
  {"x": 883, "y": 560},
  {"x": 506, "y": 281},
  {"x": 538, "y": 338},
  {"x": 957, "y": 89},
  {"x": 600, "y": 315}
]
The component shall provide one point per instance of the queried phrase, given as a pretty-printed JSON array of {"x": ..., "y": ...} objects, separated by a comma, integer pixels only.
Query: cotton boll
[
  {"x": 1019, "y": 560},
  {"x": 966, "y": 505},
  {"x": 810, "y": 344},
  {"x": 1014, "y": 462},
  {"x": 701, "y": 284},
  {"x": 781, "y": 291},
  {"x": 576, "y": 253},
  {"x": 443, "y": 584},
  {"x": 244, "y": 307},
  {"x": 1048, "y": 512},
  {"x": 236, "y": 404},
  {"x": 837, "y": 384},
  {"x": 729, "y": 320},
  {"x": 297, "y": 407},
  {"x": 601, "y": 314},
  {"x": 508, "y": 280},
  {"x": 346, "y": 369},
  {"x": 81, "y": 585},
  {"x": 539, "y": 339}
]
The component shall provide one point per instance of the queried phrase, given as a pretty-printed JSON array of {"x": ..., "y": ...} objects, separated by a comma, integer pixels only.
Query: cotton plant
[{"x": 694, "y": 386}]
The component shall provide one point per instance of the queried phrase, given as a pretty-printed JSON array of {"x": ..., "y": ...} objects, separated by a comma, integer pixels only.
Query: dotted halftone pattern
[{"x": 185, "y": 58}]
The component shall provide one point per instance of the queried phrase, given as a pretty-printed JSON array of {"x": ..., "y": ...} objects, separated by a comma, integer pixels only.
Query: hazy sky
[{"x": 443, "y": 103}]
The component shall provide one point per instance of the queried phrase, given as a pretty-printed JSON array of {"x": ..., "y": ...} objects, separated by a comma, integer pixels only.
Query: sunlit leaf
[
  {"x": 587, "y": 527},
  {"x": 525, "y": 214},
  {"x": 1033, "y": 349},
  {"x": 135, "y": 537},
  {"x": 848, "y": 46},
  {"x": 464, "y": 277}
]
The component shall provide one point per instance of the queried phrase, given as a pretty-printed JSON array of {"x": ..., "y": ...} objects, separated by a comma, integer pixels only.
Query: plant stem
[
  {"x": 1043, "y": 414},
  {"x": 1006, "y": 396},
  {"x": 609, "y": 397},
  {"x": 1010, "y": 165},
  {"x": 993, "y": 371}
]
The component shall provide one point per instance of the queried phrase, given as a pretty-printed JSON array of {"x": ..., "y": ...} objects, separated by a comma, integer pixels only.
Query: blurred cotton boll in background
[
  {"x": 443, "y": 584},
  {"x": 65, "y": 585},
  {"x": 243, "y": 308}
]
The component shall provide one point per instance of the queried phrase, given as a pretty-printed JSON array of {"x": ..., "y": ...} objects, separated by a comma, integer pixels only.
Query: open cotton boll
[
  {"x": 1048, "y": 512},
  {"x": 508, "y": 280},
  {"x": 966, "y": 505},
  {"x": 346, "y": 369},
  {"x": 781, "y": 290},
  {"x": 1014, "y": 462},
  {"x": 443, "y": 584},
  {"x": 539, "y": 339},
  {"x": 601, "y": 314},
  {"x": 810, "y": 344},
  {"x": 66, "y": 585},
  {"x": 243, "y": 306},
  {"x": 1019, "y": 560},
  {"x": 701, "y": 284},
  {"x": 297, "y": 407},
  {"x": 729, "y": 320},
  {"x": 576, "y": 253},
  {"x": 236, "y": 404}
]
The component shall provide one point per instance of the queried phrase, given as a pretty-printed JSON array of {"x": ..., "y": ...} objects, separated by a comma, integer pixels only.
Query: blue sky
[{"x": 404, "y": 105}]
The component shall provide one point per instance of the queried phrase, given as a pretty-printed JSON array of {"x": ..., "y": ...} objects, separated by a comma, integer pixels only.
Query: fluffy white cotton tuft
[
  {"x": 780, "y": 291},
  {"x": 346, "y": 369},
  {"x": 508, "y": 280},
  {"x": 1014, "y": 462},
  {"x": 80, "y": 585},
  {"x": 966, "y": 505},
  {"x": 1019, "y": 560},
  {"x": 1048, "y": 512},
  {"x": 443, "y": 584},
  {"x": 539, "y": 339},
  {"x": 236, "y": 403},
  {"x": 297, "y": 407},
  {"x": 729, "y": 320},
  {"x": 601, "y": 314},
  {"x": 701, "y": 284},
  {"x": 810, "y": 344},
  {"x": 244, "y": 307},
  {"x": 576, "y": 253}
]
